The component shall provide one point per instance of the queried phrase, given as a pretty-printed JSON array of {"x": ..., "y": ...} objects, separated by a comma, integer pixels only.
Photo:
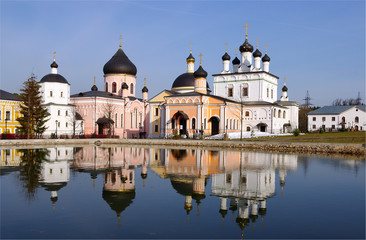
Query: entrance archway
[
  {"x": 105, "y": 126},
  {"x": 262, "y": 127},
  {"x": 215, "y": 125},
  {"x": 180, "y": 119}
]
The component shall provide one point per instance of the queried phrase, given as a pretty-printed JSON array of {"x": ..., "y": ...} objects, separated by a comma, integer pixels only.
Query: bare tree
[
  {"x": 74, "y": 119},
  {"x": 109, "y": 111}
]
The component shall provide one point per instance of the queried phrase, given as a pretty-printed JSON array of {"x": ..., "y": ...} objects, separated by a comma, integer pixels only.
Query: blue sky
[{"x": 318, "y": 45}]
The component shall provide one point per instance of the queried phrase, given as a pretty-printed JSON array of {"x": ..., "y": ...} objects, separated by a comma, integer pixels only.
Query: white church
[
  {"x": 55, "y": 91},
  {"x": 253, "y": 85}
]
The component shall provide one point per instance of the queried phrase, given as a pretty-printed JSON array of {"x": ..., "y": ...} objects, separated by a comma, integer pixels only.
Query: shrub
[
  {"x": 321, "y": 130},
  {"x": 226, "y": 137},
  {"x": 296, "y": 132}
]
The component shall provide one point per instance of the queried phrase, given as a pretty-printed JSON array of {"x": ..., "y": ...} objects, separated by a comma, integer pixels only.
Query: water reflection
[{"x": 242, "y": 182}]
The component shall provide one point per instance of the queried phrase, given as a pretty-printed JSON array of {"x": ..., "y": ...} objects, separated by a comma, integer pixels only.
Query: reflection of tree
[{"x": 30, "y": 172}]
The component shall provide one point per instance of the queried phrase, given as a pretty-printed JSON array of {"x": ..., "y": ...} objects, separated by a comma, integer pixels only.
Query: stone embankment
[{"x": 323, "y": 148}]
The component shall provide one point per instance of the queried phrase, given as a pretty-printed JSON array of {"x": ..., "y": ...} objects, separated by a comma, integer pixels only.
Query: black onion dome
[
  {"x": 246, "y": 47},
  {"x": 257, "y": 53},
  {"x": 54, "y": 65},
  {"x": 284, "y": 89},
  {"x": 186, "y": 80},
  {"x": 119, "y": 64},
  {"x": 145, "y": 89},
  {"x": 226, "y": 57},
  {"x": 200, "y": 73},
  {"x": 124, "y": 86},
  {"x": 94, "y": 88},
  {"x": 190, "y": 58},
  {"x": 236, "y": 61},
  {"x": 266, "y": 58},
  {"x": 53, "y": 186},
  {"x": 53, "y": 77}
]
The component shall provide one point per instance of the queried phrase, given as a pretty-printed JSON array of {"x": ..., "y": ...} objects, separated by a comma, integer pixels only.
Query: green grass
[{"x": 329, "y": 137}]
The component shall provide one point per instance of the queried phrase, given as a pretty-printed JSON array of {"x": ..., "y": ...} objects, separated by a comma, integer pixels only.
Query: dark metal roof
[
  {"x": 246, "y": 47},
  {"x": 54, "y": 77},
  {"x": 266, "y": 58},
  {"x": 144, "y": 89},
  {"x": 4, "y": 95},
  {"x": 200, "y": 73},
  {"x": 95, "y": 94},
  {"x": 54, "y": 65},
  {"x": 331, "y": 110},
  {"x": 257, "y": 53},
  {"x": 185, "y": 80},
  {"x": 236, "y": 61},
  {"x": 226, "y": 57},
  {"x": 284, "y": 89},
  {"x": 119, "y": 64},
  {"x": 224, "y": 74}
]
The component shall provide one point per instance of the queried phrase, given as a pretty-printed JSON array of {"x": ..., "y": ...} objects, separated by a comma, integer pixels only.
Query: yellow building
[{"x": 9, "y": 112}]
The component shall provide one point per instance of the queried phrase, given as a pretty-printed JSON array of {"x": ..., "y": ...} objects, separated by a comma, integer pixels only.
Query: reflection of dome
[
  {"x": 262, "y": 211},
  {"x": 118, "y": 201},
  {"x": 183, "y": 187},
  {"x": 143, "y": 175},
  {"x": 53, "y": 186},
  {"x": 186, "y": 81},
  {"x": 119, "y": 64},
  {"x": 179, "y": 154},
  {"x": 223, "y": 212}
]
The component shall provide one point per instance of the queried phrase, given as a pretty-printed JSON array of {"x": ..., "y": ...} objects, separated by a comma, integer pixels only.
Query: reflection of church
[
  {"x": 250, "y": 183},
  {"x": 55, "y": 170},
  {"x": 117, "y": 165}
]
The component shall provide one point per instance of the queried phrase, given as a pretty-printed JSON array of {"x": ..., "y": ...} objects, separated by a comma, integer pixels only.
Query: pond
[{"x": 129, "y": 192}]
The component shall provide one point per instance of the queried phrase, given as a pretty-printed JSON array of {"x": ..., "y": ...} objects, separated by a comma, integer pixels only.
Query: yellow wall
[
  {"x": 14, "y": 108},
  {"x": 9, "y": 157}
]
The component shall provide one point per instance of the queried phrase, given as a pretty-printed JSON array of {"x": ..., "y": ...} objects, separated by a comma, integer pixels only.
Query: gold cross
[
  {"x": 226, "y": 46},
  {"x": 190, "y": 47},
  {"x": 266, "y": 46},
  {"x": 94, "y": 80},
  {"x": 236, "y": 52},
  {"x": 246, "y": 29},
  {"x": 201, "y": 58},
  {"x": 120, "y": 41},
  {"x": 144, "y": 82},
  {"x": 54, "y": 54},
  {"x": 284, "y": 80},
  {"x": 257, "y": 40}
]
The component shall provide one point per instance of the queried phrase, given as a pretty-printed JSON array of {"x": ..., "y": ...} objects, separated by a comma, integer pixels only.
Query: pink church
[{"x": 115, "y": 111}]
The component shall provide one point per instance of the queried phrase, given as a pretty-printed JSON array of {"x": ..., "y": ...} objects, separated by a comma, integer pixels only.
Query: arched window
[
  {"x": 131, "y": 88},
  {"x": 193, "y": 123},
  {"x": 115, "y": 121},
  {"x": 106, "y": 87},
  {"x": 343, "y": 119},
  {"x": 114, "y": 87},
  {"x": 247, "y": 114},
  {"x": 231, "y": 121},
  {"x": 272, "y": 93},
  {"x": 284, "y": 114},
  {"x": 279, "y": 113},
  {"x": 356, "y": 120},
  {"x": 248, "y": 129},
  {"x": 268, "y": 92},
  {"x": 274, "y": 113}
]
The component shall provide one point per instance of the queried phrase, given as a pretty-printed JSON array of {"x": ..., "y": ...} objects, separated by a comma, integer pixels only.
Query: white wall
[{"x": 350, "y": 115}]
